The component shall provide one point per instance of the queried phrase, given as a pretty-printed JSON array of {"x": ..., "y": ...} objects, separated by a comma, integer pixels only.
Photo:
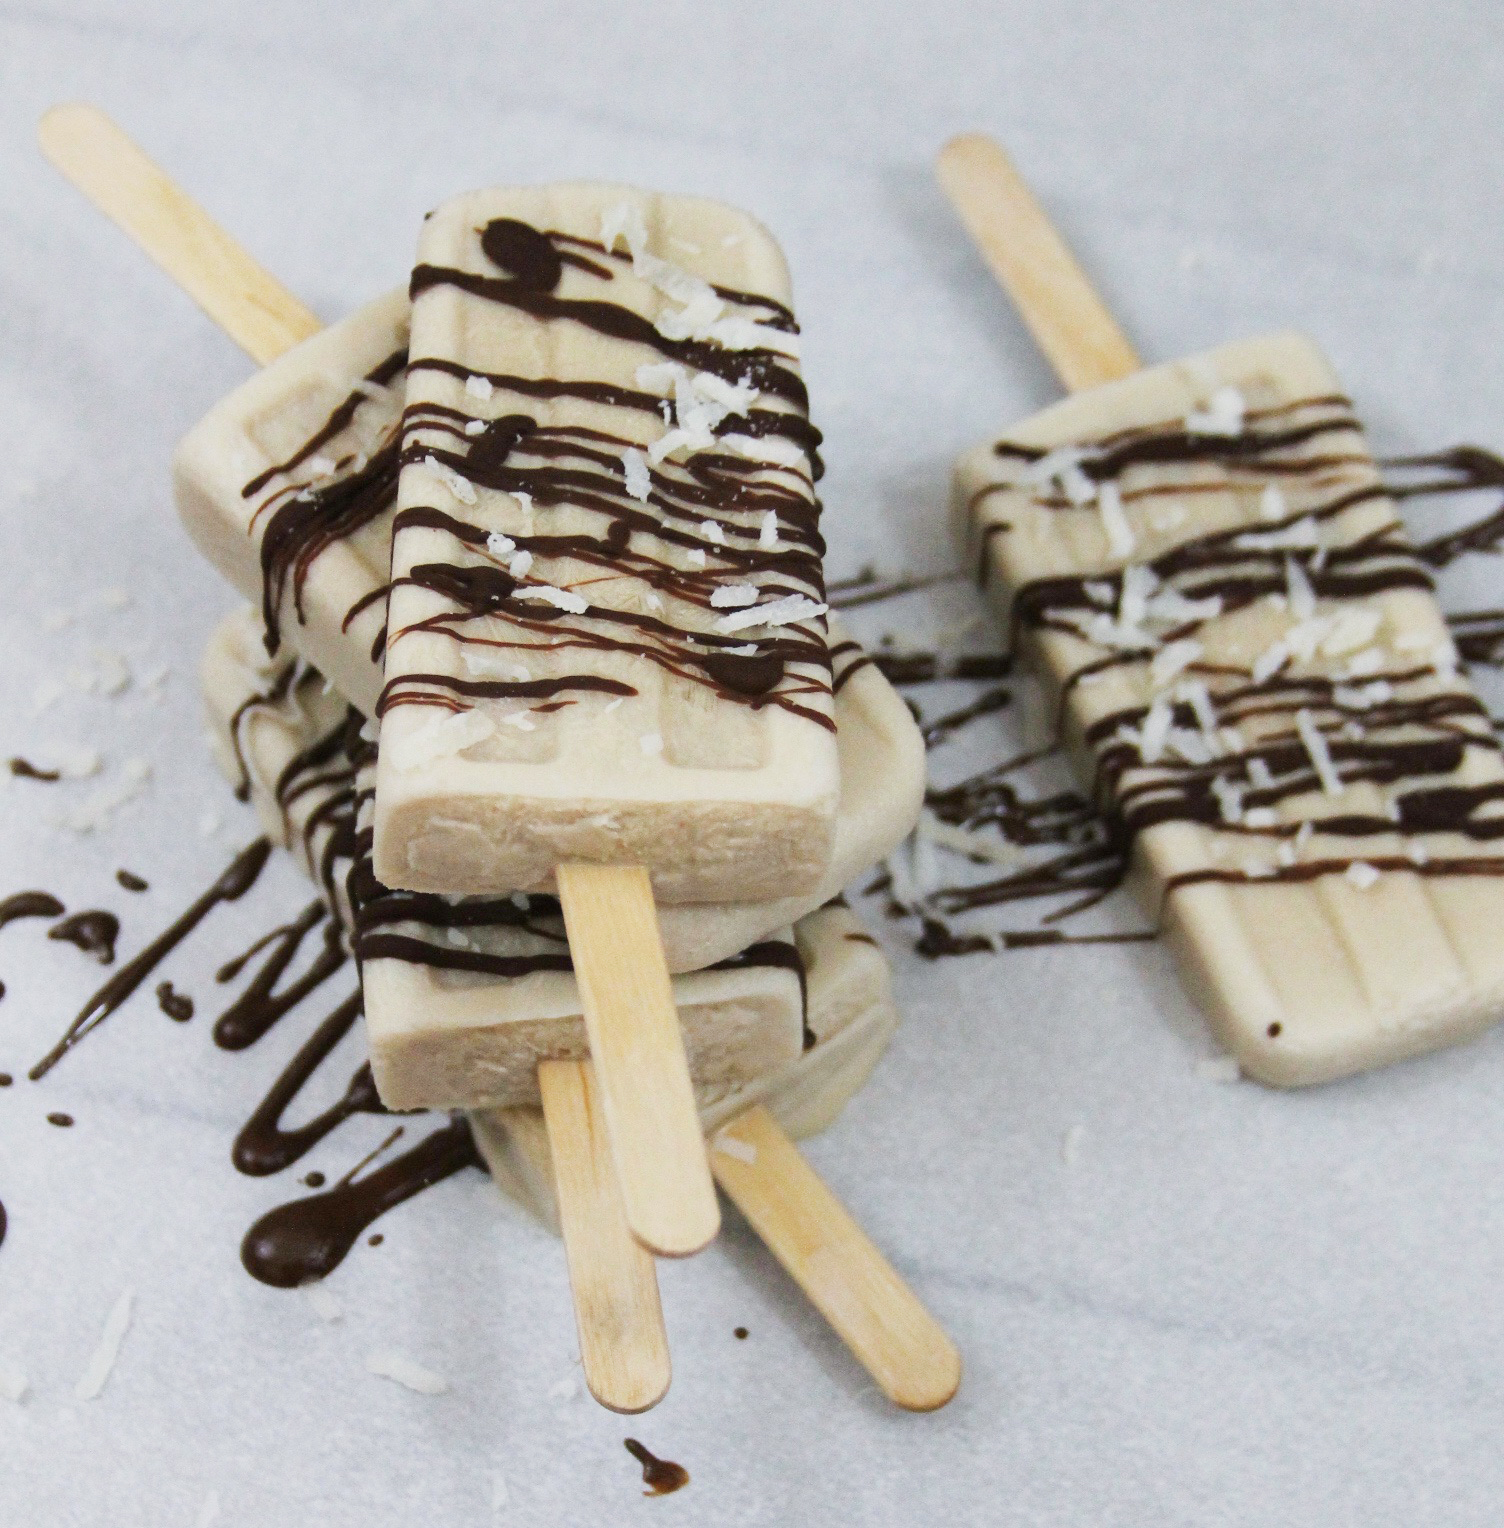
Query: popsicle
[
  {"x": 264, "y": 734},
  {"x": 1251, "y": 667},
  {"x": 463, "y": 998}
]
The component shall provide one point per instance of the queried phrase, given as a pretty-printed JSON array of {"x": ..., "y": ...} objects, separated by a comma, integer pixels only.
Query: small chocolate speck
[
  {"x": 24, "y": 769},
  {"x": 2, "y": 989},
  {"x": 1274, "y": 1030},
  {"x": 178, "y": 1006},
  {"x": 314, "y": 1180},
  {"x": 62, "y": 1121},
  {"x": 740, "y": 1334},
  {"x": 130, "y": 880},
  {"x": 6, "y": 1079},
  {"x": 376, "y": 1240}
]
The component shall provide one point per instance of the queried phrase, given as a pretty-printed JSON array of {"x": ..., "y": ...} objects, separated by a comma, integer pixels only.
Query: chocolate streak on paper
[
  {"x": 29, "y": 904},
  {"x": 24, "y": 769},
  {"x": 308, "y": 1238},
  {"x": 237, "y": 879}
]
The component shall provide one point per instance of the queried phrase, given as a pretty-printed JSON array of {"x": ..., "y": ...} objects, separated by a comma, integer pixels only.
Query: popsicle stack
[
  {"x": 547, "y": 524},
  {"x": 1251, "y": 669}
]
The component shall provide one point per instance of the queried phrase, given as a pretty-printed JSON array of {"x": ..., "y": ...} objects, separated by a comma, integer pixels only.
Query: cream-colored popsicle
[
  {"x": 851, "y": 1019},
  {"x": 606, "y": 640},
  {"x": 462, "y": 1002},
  {"x": 1257, "y": 680}
]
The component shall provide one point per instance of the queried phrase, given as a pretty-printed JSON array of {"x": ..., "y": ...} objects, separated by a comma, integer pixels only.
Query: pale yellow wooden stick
[
  {"x": 623, "y": 1346},
  {"x": 829, "y": 1256},
  {"x": 622, "y": 1285},
  {"x": 1072, "y": 325},
  {"x": 253, "y": 308},
  {"x": 638, "y": 1052}
]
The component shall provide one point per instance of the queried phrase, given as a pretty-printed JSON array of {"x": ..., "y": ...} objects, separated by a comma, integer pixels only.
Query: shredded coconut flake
[
  {"x": 780, "y": 612},
  {"x": 1272, "y": 503},
  {"x": 1362, "y": 874},
  {"x": 638, "y": 479},
  {"x": 767, "y": 535},
  {"x": 734, "y": 596},
  {"x": 394, "y": 1366},
  {"x": 561, "y": 599},
  {"x": 479, "y": 387},
  {"x": 461, "y": 487},
  {"x": 520, "y": 564},
  {"x": 1171, "y": 660},
  {"x": 500, "y": 545},
  {"x": 1223, "y": 414},
  {"x": 97, "y": 1372},
  {"x": 1318, "y": 753},
  {"x": 476, "y": 427}
]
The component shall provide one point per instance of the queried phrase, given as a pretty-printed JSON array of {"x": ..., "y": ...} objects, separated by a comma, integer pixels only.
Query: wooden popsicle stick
[
  {"x": 623, "y": 1345},
  {"x": 638, "y": 1051},
  {"x": 1070, "y": 322},
  {"x": 133, "y": 193},
  {"x": 832, "y": 1260},
  {"x": 250, "y": 305}
]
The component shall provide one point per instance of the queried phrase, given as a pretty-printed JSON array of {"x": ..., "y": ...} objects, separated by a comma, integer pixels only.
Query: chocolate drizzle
[
  {"x": 713, "y": 506},
  {"x": 29, "y": 904},
  {"x": 237, "y": 879},
  {"x": 308, "y": 1238}
]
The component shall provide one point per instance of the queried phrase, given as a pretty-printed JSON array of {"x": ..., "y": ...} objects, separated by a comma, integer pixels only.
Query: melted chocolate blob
[
  {"x": 308, "y": 1238},
  {"x": 62, "y": 1121},
  {"x": 315, "y": 1180},
  {"x": 130, "y": 881},
  {"x": 178, "y": 1006},
  {"x": 94, "y": 932},
  {"x": 527, "y": 256},
  {"x": 661, "y": 1476}
]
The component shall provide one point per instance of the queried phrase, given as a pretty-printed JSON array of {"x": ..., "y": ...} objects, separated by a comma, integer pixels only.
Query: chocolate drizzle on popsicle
[{"x": 731, "y": 515}]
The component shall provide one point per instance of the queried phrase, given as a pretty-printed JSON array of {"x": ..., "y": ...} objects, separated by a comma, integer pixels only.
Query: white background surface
[{"x": 1234, "y": 1306}]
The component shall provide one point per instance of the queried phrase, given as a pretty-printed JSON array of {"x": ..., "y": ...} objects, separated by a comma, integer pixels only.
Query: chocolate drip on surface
[
  {"x": 261, "y": 1005},
  {"x": 308, "y": 1238},
  {"x": 94, "y": 932},
  {"x": 25, "y": 770},
  {"x": 262, "y": 1146},
  {"x": 661, "y": 1476},
  {"x": 237, "y": 879},
  {"x": 29, "y": 904}
]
